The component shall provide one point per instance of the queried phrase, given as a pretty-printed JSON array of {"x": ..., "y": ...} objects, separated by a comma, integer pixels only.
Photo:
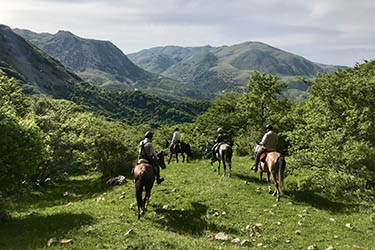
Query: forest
[{"x": 329, "y": 137}]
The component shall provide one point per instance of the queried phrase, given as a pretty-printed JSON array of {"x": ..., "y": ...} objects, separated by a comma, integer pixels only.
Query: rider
[
  {"x": 147, "y": 153},
  {"x": 269, "y": 142},
  {"x": 176, "y": 138},
  {"x": 219, "y": 139}
]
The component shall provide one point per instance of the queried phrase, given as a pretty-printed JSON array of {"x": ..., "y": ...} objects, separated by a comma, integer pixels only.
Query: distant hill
[
  {"x": 227, "y": 67},
  {"x": 106, "y": 66},
  {"x": 39, "y": 73},
  {"x": 159, "y": 59}
]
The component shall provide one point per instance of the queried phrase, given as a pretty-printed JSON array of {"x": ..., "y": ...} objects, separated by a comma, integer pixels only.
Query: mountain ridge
[
  {"x": 105, "y": 65},
  {"x": 39, "y": 73},
  {"x": 226, "y": 68}
]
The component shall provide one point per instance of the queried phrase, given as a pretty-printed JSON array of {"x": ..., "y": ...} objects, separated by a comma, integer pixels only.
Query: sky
[{"x": 338, "y": 32}]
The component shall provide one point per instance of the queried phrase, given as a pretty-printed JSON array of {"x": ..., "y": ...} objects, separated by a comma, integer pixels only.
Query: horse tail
[
  {"x": 229, "y": 154},
  {"x": 282, "y": 164}
]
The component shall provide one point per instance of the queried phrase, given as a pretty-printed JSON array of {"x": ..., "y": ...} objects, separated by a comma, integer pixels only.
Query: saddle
[
  {"x": 176, "y": 146},
  {"x": 264, "y": 156}
]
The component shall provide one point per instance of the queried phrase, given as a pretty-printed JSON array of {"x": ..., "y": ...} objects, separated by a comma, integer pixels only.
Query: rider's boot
[{"x": 158, "y": 179}]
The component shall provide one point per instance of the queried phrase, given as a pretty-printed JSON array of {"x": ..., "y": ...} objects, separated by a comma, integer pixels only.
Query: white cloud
[{"x": 318, "y": 30}]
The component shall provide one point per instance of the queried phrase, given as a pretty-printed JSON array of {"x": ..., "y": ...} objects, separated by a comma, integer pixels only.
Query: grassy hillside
[
  {"x": 159, "y": 59},
  {"x": 33, "y": 67},
  {"x": 104, "y": 65},
  {"x": 187, "y": 211},
  {"x": 226, "y": 68}
]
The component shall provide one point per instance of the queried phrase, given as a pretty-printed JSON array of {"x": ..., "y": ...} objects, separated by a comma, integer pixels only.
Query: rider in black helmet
[
  {"x": 269, "y": 142},
  {"x": 147, "y": 154}
]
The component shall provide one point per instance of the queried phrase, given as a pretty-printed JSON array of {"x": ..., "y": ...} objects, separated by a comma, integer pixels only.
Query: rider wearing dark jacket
[
  {"x": 146, "y": 154},
  {"x": 269, "y": 142}
]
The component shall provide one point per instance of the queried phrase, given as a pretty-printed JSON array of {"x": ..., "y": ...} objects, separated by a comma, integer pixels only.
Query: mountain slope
[
  {"x": 106, "y": 66},
  {"x": 229, "y": 67},
  {"x": 159, "y": 59},
  {"x": 40, "y": 72}
]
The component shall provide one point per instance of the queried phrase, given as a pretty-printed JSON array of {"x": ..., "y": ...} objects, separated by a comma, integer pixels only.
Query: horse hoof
[{"x": 270, "y": 192}]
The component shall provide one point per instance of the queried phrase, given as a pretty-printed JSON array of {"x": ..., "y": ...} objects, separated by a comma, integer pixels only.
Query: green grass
[{"x": 200, "y": 205}]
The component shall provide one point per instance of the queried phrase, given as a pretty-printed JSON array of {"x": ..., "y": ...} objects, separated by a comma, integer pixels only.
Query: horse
[
  {"x": 144, "y": 176},
  {"x": 182, "y": 148},
  {"x": 223, "y": 153},
  {"x": 274, "y": 165}
]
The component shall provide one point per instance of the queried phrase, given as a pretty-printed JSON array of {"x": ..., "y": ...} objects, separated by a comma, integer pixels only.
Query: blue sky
[{"x": 338, "y": 32}]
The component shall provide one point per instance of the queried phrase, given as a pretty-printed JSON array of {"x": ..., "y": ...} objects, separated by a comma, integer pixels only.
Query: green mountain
[
  {"x": 39, "y": 73},
  {"x": 104, "y": 65},
  {"x": 227, "y": 67},
  {"x": 159, "y": 59}
]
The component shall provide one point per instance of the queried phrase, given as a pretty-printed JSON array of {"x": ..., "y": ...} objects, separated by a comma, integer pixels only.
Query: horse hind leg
[
  {"x": 269, "y": 183},
  {"x": 225, "y": 168},
  {"x": 170, "y": 157},
  {"x": 230, "y": 169},
  {"x": 138, "y": 193},
  {"x": 277, "y": 190}
]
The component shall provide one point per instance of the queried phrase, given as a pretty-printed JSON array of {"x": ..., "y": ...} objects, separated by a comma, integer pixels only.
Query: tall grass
[{"x": 186, "y": 212}]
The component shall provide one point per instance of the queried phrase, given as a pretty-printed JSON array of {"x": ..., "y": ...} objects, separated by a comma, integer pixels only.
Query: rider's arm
[{"x": 264, "y": 140}]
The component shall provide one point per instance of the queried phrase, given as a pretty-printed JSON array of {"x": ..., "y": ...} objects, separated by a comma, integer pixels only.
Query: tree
[
  {"x": 21, "y": 144},
  {"x": 334, "y": 135}
]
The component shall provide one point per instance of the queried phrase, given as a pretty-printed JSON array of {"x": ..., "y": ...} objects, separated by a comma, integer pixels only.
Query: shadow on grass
[
  {"x": 250, "y": 178},
  {"x": 320, "y": 202},
  {"x": 62, "y": 192},
  {"x": 191, "y": 221},
  {"x": 34, "y": 231}
]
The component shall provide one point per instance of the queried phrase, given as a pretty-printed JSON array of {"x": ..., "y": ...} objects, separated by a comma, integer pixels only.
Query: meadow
[{"x": 194, "y": 208}]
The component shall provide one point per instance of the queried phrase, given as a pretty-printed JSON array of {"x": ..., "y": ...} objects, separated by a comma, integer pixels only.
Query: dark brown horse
[
  {"x": 144, "y": 177},
  {"x": 182, "y": 148},
  {"x": 273, "y": 165}
]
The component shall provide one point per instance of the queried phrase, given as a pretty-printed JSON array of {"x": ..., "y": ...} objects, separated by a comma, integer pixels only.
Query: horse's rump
[
  {"x": 143, "y": 169},
  {"x": 224, "y": 152},
  {"x": 272, "y": 158}
]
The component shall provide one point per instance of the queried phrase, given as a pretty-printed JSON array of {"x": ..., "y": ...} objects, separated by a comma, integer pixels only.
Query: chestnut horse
[
  {"x": 274, "y": 165},
  {"x": 223, "y": 153},
  {"x": 144, "y": 176}
]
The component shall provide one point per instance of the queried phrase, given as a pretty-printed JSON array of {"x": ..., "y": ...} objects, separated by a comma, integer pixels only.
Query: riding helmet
[
  {"x": 148, "y": 135},
  {"x": 220, "y": 130},
  {"x": 176, "y": 129},
  {"x": 269, "y": 126}
]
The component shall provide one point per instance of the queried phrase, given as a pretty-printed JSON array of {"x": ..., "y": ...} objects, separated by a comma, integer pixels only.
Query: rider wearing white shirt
[{"x": 269, "y": 142}]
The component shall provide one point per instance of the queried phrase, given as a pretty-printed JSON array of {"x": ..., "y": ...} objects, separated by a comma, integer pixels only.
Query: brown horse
[
  {"x": 274, "y": 165},
  {"x": 144, "y": 176}
]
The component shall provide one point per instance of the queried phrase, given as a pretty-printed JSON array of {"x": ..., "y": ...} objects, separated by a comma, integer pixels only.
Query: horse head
[
  {"x": 160, "y": 157},
  {"x": 209, "y": 146},
  {"x": 257, "y": 148},
  {"x": 167, "y": 142}
]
